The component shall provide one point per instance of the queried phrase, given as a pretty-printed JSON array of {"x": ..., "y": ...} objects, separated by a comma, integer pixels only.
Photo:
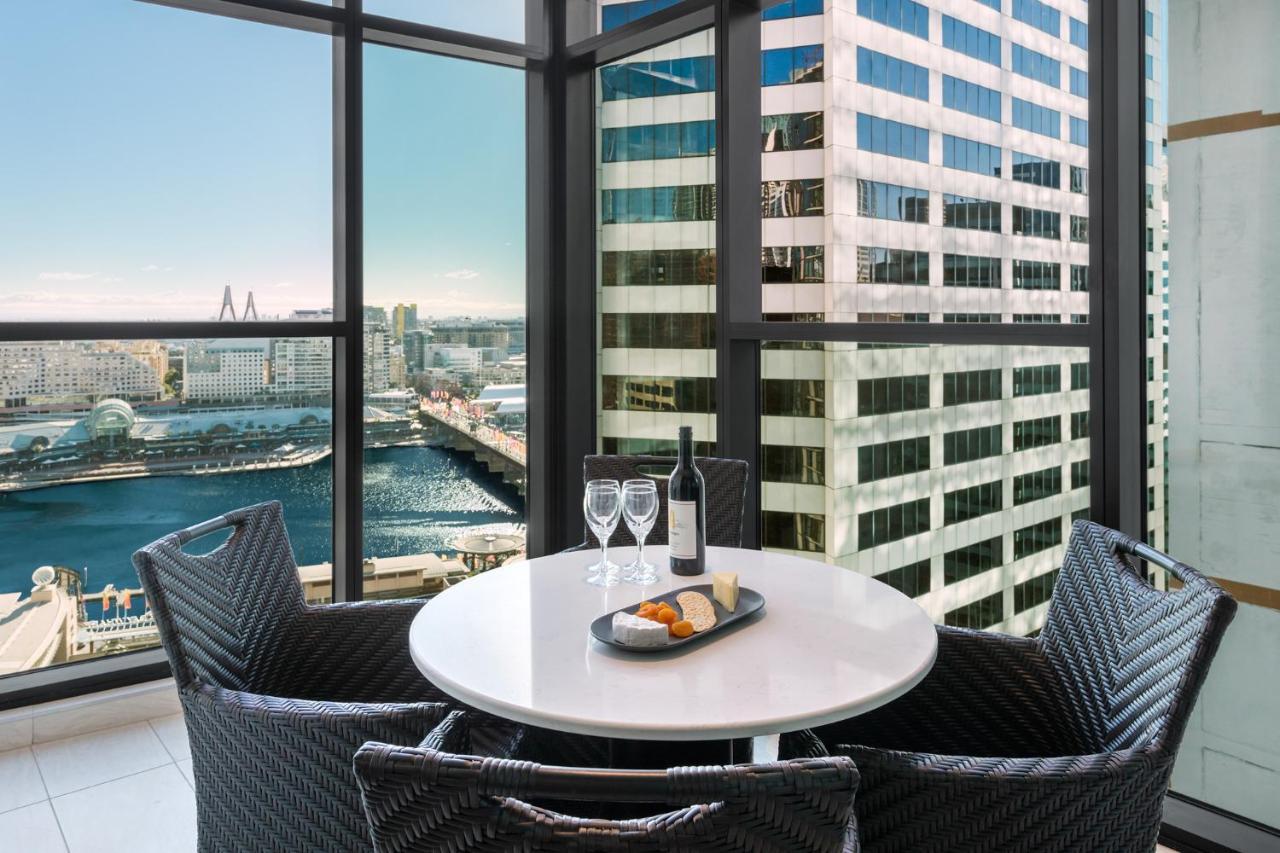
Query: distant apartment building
[
  {"x": 921, "y": 163},
  {"x": 35, "y": 373},
  {"x": 478, "y": 333},
  {"x": 377, "y": 343},
  {"x": 226, "y": 369},
  {"x": 301, "y": 366}
]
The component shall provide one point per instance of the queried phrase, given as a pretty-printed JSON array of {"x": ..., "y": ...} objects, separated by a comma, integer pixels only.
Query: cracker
[{"x": 697, "y": 608}]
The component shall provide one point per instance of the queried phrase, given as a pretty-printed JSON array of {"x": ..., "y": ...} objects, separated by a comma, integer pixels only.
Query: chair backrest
[
  {"x": 219, "y": 613},
  {"x": 1132, "y": 657},
  {"x": 423, "y": 800},
  {"x": 726, "y": 490}
]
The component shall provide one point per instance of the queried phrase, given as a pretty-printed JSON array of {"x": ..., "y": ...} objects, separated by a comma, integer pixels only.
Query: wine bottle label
[{"x": 682, "y": 529}]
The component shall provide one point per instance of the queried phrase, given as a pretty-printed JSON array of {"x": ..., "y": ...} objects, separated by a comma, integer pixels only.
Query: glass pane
[
  {"x": 160, "y": 164},
  {"x": 950, "y": 472},
  {"x": 444, "y": 320},
  {"x": 502, "y": 19},
  {"x": 107, "y": 446},
  {"x": 657, "y": 265},
  {"x": 1214, "y": 451},
  {"x": 950, "y": 191}
]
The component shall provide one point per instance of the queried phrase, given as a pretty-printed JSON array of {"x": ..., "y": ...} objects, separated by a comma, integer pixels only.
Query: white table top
[{"x": 830, "y": 644}]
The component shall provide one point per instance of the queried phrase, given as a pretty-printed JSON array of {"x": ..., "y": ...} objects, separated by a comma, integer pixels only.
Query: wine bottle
[{"x": 687, "y": 512}]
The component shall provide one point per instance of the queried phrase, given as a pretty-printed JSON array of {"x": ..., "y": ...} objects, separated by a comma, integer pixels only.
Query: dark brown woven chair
[
  {"x": 726, "y": 489},
  {"x": 278, "y": 695},
  {"x": 421, "y": 800},
  {"x": 1063, "y": 742}
]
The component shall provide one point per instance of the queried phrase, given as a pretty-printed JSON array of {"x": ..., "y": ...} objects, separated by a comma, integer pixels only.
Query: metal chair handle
[{"x": 1143, "y": 551}]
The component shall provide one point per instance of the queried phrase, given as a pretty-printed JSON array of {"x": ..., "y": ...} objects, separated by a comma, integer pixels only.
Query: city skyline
[{"x": 252, "y": 105}]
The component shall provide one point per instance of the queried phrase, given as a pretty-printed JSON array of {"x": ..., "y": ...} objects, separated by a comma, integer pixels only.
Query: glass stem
[
  {"x": 640, "y": 556},
  {"x": 604, "y": 554}
]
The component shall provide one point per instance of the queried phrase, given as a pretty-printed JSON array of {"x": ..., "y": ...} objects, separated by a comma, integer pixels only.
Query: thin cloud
[
  {"x": 112, "y": 279},
  {"x": 66, "y": 276},
  {"x": 156, "y": 268},
  {"x": 462, "y": 274}
]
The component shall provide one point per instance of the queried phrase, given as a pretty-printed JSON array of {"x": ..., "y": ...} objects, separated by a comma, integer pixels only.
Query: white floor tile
[
  {"x": 34, "y": 828},
  {"x": 20, "y": 782},
  {"x": 79, "y": 762},
  {"x": 60, "y": 720},
  {"x": 150, "y": 811},
  {"x": 172, "y": 731},
  {"x": 185, "y": 767}
]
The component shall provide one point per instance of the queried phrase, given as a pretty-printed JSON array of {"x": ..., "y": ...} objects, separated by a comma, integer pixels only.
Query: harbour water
[{"x": 417, "y": 499}]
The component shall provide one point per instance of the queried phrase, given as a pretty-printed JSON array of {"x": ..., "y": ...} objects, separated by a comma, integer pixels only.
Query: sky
[{"x": 152, "y": 156}]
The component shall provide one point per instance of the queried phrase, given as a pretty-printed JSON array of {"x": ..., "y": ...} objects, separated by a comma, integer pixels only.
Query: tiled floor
[
  {"x": 127, "y": 789},
  {"x": 122, "y": 789}
]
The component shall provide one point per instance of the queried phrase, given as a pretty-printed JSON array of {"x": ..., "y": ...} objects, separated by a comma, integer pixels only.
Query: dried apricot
[
  {"x": 647, "y": 611},
  {"x": 667, "y": 616},
  {"x": 682, "y": 628}
]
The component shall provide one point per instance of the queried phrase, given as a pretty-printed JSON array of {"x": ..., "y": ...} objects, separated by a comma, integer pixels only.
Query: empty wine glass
[
  {"x": 640, "y": 509},
  {"x": 602, "y": 505}
]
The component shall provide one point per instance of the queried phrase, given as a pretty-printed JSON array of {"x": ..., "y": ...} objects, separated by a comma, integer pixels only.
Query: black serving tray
[{"x": 749, "y": 602}]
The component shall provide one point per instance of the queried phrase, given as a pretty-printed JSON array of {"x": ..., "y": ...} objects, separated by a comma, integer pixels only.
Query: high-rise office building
[
  {"x": 225, "y": 369},
  {"x": 403, "y": 319},
  {"x": 922, "y": 163}
]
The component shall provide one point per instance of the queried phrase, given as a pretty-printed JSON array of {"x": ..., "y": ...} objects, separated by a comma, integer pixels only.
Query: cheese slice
[
  {"x": 634, "y": 631},
  {"x": 724, "y": 587}
]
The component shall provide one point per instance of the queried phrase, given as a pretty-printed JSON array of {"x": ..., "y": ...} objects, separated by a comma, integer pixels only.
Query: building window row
[
  {"x": 891, "y": 201},
  {"x": 783, "y": 66},
  {"x": 895, "y": 75},
  {"x": 686, "y": 203},
  {"x": 892, "y": 138},
  {"x": 971, "y": 213},
  {"x": 972, "y": 502},
  {"x": 1079, "y": 82},
  {"x": 657, "y": 394},
  {"x": 1037, "y": 432},
  {"x": 791, "y": 264},
  {"x": 1034, "y": 222},
  {"x": 785, "y": 463},
  {"x": 966, "y": 445},
  {"x": 1038, "y": 318},
  {"x": 794, "y": 398},
  {"x": 902, "y": 15},
  {"x": 1037, "y": 590},
  {"x": 791, "y": 132},
  {"x": 1037, "y": 275},
  {"x": 893, "y": 458},
  {"x": 1036, "y": 170},
  {"x": 1037, "y": 119},
  {"x": 1079, "y": 425},
  {"x": 978, "y": 615},
  {"x": 798, "y": 197},
  {"x": 658, "y": 141},
  {"x": 970, "y": 271},
  {"x": 893, "y": 394},
  {"x": 793, "y": 531},
  {"x": 1080, "y": 34},
  {"x": 970, "y": 40},
  {"x": 1036, "y": 66},
  {"x": 1038, "y": 537},
  {"x": 972, "y": 386},
  {"x": 889, "y": 524},
  {"x": 963, "y": 563},
  {"x": 1080, "y": 180},
  {"x": 668, "y": 330},
  {"x": 970, "y": 155},
  {"x": 970, "y": 317},
  {"x": 912, "y": 580},
  {"x": 1079, "y": 278},
  {"x": 1037, "y": 379},
  {"x": 1079, "y": 229},
  {"x": 1080, "y": 474},
  {"x": 1037, "y": 485},
  {"x": 1079, "y": 375},
  {"x": 878, "y": 265},
  {"x": 971, "y": 98},
  {"x": 1042, "y": 16},
  {"x": 789, "y": 9},
  {"x": 658, "y": 267}
]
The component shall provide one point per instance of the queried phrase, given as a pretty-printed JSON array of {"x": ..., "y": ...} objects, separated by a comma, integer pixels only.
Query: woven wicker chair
[
  {"x": 726, "y": 489},
  {"x": 428, "y": 800},
  {"x": 1077, "y": 729},
  {"x": 278, "y": 695}
]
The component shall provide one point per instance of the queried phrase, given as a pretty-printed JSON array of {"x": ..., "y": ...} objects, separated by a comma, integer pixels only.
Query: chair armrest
[
  {"x": 987, "y": 694},
  {"x": 922, "y": 801},
  {"x": 353, "y": 652},
  {"x": 218, "y": 718}
]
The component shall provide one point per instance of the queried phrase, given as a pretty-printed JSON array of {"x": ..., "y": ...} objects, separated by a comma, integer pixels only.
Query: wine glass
[
  {"x": 602, "y": 505},
  {"x": 640, "y": 509}
]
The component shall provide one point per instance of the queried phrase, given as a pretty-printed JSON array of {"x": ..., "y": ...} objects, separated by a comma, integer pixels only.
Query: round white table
[{"x": 830, "y": 644}]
